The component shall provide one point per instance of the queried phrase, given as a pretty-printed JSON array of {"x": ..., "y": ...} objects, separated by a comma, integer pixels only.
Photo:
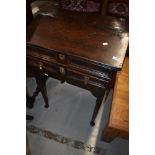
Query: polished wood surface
[
  {"x": 118, "y": 124},
  {"x": 69, "y": 46},
  {"x": 83, "y": 35}
]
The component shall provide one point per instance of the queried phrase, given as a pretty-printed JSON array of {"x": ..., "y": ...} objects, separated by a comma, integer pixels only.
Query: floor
[{"x": 63, "y": 128}]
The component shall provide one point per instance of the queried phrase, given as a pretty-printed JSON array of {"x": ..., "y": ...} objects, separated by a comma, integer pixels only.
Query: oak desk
[{"x": 83, "y": 49}]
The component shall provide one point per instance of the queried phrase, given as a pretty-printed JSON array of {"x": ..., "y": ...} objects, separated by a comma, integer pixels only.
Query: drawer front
[
  {"x": 49, "y": 69},
  {"x": 46, "y": 55},
  {"x": 43, "y": 67},
  {"x": 86, "y": 80},
  {"x": 39, "y": 53},
  {"x": 90, "y": 68},
  {"x": 72, "y": 62},
  {"x": 69, "y": 68},
  {"x": 60, "y": 71}
]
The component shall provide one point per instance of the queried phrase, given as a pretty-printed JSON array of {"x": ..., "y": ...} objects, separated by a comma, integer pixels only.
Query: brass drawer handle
[
  {"x": 61, "y": 57},
  {"x": 40, "y": 66},
  {"x": 62, "y": 70},
  {"x": 86, "y": 79}
]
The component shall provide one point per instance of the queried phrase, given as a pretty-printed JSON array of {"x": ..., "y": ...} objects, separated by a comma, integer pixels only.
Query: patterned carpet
[{"x": 63, "y": 128}]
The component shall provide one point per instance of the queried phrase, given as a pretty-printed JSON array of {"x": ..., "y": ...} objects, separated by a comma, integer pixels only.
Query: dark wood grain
[
  {"x": 68, "y": 47},
  {"x": 83, "y": 35}
]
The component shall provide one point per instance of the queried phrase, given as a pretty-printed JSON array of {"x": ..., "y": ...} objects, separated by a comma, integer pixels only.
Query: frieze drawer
[
  {"x": 87, "y": 79},
  {"x": 90, "y": 67},
  {"x": 43, "y": 67},
  {"x": 40, "y": 53}
]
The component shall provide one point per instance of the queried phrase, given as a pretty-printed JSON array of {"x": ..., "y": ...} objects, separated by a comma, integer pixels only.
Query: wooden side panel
[{"x": 118, "y": 124}]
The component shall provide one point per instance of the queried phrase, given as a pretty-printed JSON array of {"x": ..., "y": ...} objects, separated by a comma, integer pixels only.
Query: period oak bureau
[{"x": 83, "y": 49}]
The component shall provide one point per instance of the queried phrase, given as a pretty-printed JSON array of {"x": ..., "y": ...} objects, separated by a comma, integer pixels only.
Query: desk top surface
[{"x": 91, "y": 36}]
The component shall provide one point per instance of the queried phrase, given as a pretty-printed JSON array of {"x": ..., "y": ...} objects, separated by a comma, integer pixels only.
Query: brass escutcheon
[
  {"x": 61, "y": 57},
  {"x": 40, "y": 66},
  {"x": 62, "y": 70}
]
